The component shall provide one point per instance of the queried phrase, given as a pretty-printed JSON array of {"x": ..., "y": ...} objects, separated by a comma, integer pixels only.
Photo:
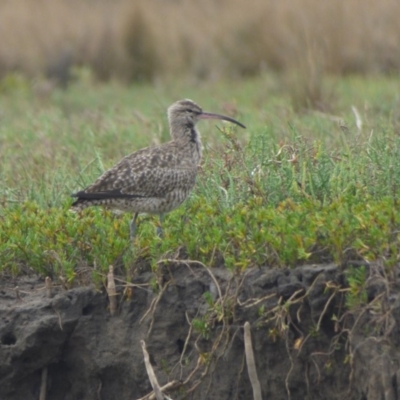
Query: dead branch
[
  {"x": 253, "y": 302},
  {"x": 169, "y": 386},
  {"x": 111, "y": 291},
  {"x": 59, "y": 319},
  {"x": 199, "y": 361},
  {"x": 152, "y": 308},
  {"x": 188, "y": 262},
  {"x": 186, "y": 342},
  {"x": 251, "y": 364},
  {"x": 150, "y": 373},
  {"x": 325, "y": 309},
  {"x": 291, "y": 366}
]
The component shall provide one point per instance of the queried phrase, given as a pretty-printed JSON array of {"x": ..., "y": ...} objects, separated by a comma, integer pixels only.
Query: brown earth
[{"x": 196, "y": 340}]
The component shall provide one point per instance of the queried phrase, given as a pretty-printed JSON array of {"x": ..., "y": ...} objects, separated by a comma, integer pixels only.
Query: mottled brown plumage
[{"x": 157, "y": 179}]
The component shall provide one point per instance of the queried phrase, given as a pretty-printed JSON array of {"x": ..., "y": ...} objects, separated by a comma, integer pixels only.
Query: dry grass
[{"x": 206, "y": 39}]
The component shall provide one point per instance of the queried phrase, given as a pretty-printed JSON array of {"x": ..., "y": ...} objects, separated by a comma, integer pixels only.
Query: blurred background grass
[{"x": 148, "y": 40}]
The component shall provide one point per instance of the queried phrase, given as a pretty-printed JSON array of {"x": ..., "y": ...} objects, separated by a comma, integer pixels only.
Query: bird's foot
[
  {"x": 133, "y": 228},
  {"x": 160, "y": 232},
  {"x": 133, "y": 233}
]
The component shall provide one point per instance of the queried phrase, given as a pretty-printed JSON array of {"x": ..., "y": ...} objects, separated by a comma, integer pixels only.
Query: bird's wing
[
  {"x": 159, "y": 182},
  {"x": 142, "y": 174}
]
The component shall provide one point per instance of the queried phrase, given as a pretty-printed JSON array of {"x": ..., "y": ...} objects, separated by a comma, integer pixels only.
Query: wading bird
[{"x": 154, "y": 180}]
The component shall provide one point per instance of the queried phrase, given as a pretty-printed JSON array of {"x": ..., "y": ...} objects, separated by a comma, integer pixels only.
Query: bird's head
[{"x": 184, "y": 115}]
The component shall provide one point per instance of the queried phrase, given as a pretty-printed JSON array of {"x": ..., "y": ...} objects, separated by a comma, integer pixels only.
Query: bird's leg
[
  {"x": 160, "y": 231},
  {"x": 133, "y": 227}
]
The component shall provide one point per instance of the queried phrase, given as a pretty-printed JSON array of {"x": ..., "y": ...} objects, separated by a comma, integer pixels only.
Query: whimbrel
[{"x": 158, "y": 179}]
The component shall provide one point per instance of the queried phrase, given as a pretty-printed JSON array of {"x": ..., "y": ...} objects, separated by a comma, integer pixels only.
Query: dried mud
[{"x": 307, "y": 345}]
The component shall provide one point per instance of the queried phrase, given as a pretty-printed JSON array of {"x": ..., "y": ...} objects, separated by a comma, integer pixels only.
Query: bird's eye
[{"x": 191, "y": 111}]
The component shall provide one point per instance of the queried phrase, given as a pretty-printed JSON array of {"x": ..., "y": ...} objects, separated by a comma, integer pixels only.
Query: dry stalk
[
  {"x": 291, "y": 368},
  {"x": 111, "y": 291},
  {"x": 169, "y": 386},
  {"x": 59, "y": 318},
  {"x": 251, "y": 364},
  {"x": 325, "y": 309},
  {"x": 186, "y": 342},
  {"x": 43, "y": 385},
  {"x": 357, "y": 116},
  {"x": 187, "y": 380},
  {"x": 49, "y": 287},
  {"x": 99, "y": 390},
  {"x": 229, "y": 344},
  {"x": 153, "y": 307},
  {"x": 318, "y": 370},
  {"x": 188, "y": 262},
  {"x": 197, "y": 383},
  {"x": 221, "y": 301},
  {"x": 224, "y": 331},
  {"x": 150, "y": 372},
  {"x": 253, "y": 302},
  {"x": 216, "y": 346},
  {"x": 188, "y": 336}
]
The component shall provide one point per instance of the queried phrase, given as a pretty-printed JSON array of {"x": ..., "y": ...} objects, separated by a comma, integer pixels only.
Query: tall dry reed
[{"x": 143, "y": 40}]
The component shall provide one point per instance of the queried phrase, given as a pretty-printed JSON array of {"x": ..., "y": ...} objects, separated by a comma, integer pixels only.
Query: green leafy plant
[{"x": 357, "y": 294}]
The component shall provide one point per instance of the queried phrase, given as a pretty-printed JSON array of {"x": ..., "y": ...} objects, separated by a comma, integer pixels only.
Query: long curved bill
[{"x": 207, "y": 115}]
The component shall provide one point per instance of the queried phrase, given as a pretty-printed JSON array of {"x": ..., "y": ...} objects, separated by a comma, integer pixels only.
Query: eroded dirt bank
[{"x": 307, "y": 345}]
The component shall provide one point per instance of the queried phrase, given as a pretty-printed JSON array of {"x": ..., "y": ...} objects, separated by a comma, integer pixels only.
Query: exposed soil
[{"x": 306, "y": 344}]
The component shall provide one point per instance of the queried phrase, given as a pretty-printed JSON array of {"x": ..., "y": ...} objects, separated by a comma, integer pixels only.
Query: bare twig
[
  {"x": 325, "y": 309},
  {"x": 99, "y": 390},
  {"x": 188, "y": 262},
  {"x": 199, "y": 362},
  {"x": 152, "y": 308},
  {"x": 290, "y": 369},
  {"x": 59, "y": 318},
  {"x": 186, "y": 342},
  {"x": 253, "y": 302},
  {"x": 111, "y": 291},
  {"x": 150, "y": 372},
  {"x": 169, "y": 386},
  {"x": 251, "y": 364}
]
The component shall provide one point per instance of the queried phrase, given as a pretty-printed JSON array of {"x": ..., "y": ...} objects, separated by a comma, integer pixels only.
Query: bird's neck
[{"x": 190, "y": 135}]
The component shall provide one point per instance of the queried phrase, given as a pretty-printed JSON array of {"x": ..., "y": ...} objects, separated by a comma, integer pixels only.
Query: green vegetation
[
  {"x": 298, "y": 186},
  {"x": 357, "y": 294}
]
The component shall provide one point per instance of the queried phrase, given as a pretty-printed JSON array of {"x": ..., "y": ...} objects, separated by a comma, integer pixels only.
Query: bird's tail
[{"x": 81, "y": 204}]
